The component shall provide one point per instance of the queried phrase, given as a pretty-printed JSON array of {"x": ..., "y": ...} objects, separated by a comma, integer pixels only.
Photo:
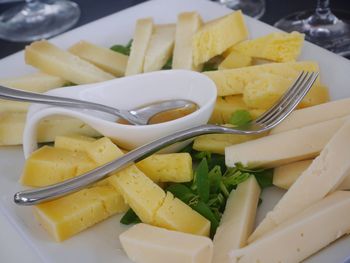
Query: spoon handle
[{"x": 20, "y": 95}]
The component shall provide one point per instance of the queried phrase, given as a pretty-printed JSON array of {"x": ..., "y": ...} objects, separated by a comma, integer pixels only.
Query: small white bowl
[{"x": 130, "y": 93}]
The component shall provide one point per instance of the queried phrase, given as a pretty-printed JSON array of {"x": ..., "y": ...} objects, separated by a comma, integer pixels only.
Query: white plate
[{"x": 100, "y": 243}]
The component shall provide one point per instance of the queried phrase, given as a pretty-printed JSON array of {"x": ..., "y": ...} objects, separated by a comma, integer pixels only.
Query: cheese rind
[
  {"x": 322, "y": 177},
  {"x": 148, "y": 244},
  {"x": 141, "y": 39},
  {"x": 160, "y": 47},
  {"x": 52, "y": 60},
  {"x": 71, "y": 214},
  {"x": 104, "y": 58},
  {"x": 275, "y": 150},
  {"x": 237, "y": 221},
  {"x": 187, "y": 25},
  {"x": 218, "y": 35},
  {"x": 300, "y": 236}
]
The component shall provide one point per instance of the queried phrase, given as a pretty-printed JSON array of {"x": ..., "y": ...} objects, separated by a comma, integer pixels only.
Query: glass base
[
  {"x": 38, "y": 20},
  {"x": 333, "y": 34},
  {"x": 252, "y": 8}
]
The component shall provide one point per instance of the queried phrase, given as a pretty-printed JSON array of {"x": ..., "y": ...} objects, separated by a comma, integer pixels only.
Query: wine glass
[
  {"x": 37, "y": 19},
  {"x": 253, "y": 8},
  {"x": 321, "y": 27}
]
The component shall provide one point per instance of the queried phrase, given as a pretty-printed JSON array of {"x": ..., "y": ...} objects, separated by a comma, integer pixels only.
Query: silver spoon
[{"x": 139, "y": 116}]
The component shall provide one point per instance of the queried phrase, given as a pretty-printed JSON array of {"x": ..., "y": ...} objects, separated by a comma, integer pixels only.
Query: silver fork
[{"x": 267, "y": 121}]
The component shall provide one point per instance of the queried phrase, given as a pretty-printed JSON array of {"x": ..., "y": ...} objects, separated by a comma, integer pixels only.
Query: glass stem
[{"x": 323, "y": 14}]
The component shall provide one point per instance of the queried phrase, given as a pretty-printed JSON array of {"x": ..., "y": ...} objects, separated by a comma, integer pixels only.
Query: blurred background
[{"x": 91, "y": 10}]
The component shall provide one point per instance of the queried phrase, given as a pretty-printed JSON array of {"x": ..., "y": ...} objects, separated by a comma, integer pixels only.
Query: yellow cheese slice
[
  {"x": 141, "y": 39},
  {"x": 217, "y": 36},
  {"x": 323, "y": 176},
  {"x": 319, "y": 113},
  {"x": 160, "y": 47},
  {"x": 104, "y": 58},
  {"x": 52, "y": 60},
  {"x": 286, "y": 147},
  {"x": 103, "y": 151},
  {"x": 174, "y": 167},
  {"x": 234, "y": 81},
  {"x": 235, "y": 59},
  {"x": 149, "y": 244},
  {"x": 73, "y": 142},
  {"x": 71, "y": 214},
  {"x": 237, "y": 222},
  {"x": 187, "y": 25},
  {"x": 301, "y": 235},
  {"x": 277, "y": 46},
  {"x": 174, "y": 214}
]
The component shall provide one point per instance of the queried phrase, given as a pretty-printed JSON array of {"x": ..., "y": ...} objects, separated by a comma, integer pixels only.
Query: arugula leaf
[
  {"x": 125, "y": 50},
  {"x": 240, "y": 118},
  {"x": 214, "y": 177},
  {"x": 182, "y": 192},
  {"x": 130, "y": 217},
  {"x": 168, "y": 64},
  {"x": 201, "y": 180},
  {"x": 264, "y": 178},
  {"x": 201, "y": 155},
  {"x": 209, "y": 67},
  {"x": 203, "y": 209}
]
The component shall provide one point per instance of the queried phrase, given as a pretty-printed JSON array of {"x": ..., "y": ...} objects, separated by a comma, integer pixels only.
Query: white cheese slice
[
  {"x": 187, "y": 25},
  {"x": 141, "y": 38},
  {"x": 237, "y": 221},
  {"x": 160, "y": 48},
  {"x": 302, "y": 235},
  {"x": 315, "y": 114},
  {"x": 323, "y": 176},
  {"x": 149, "y": 244},
  {"x": 286, "y": 147}
]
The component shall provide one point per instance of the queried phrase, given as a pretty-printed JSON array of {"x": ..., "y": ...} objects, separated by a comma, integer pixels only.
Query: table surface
[{"x": 92, "y": 10}]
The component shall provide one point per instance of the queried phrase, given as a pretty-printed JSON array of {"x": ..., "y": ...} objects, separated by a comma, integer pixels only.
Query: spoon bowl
[{"x": 130, "y": 93}]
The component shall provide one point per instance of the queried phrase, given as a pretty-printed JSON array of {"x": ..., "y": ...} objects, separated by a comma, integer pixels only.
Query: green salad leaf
[
  {"x": 123, "y": 49},
  {"x": 240, "y": 118},
  {"x": 130, "y": 217}
]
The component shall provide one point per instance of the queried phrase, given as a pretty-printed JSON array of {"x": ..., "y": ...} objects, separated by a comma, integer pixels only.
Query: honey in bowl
[{"x": 168, "y": 115}]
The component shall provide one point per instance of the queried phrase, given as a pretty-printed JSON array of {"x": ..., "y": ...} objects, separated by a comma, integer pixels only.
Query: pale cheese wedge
[
  {"x": 12, "y": 126},
  {"x": 188, "y": 23},
  {"x": 218, "y": 35},
  {"x": 286, "y": 175},
  {"x": 315, "y": 114},
  {"x": 148, "y": 244},
  {"x": 322, "y": 177},
  {"x": 104, "y": 58},
  {"x": 55, "y": 61},
  {"x": 160, "y": 47},
  {"x": 234, "y": 81},
  {"x": 71, "y": 214},
  {"x": 237, "y": 222},
  {"x": 286, "y": 147},
  {"x": 301, "y": 235},
  {"x": 142, "y": 36}
]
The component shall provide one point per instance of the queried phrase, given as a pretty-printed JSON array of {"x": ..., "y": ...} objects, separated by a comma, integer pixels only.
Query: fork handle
[{"x": 38, "y": 195}]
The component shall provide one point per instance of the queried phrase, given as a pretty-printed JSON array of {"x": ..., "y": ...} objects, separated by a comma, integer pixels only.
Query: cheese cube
[
  {"x": 140, "y": 193},
  {"x": 175, "y": 167},
  {"x": 148, "y": 244},
  {"x": 218, "y": 35},
  {"x": 174, "y": 214},
  {"x": 52, "y": 60},
  {"x": 50, "y": 165},
  {"x": 226, "y": 106},
  {"x": 237, "y": 222},
  {"x": 234, "y": 81},
  {"x": 216, "y": 143},
  {"x": 301, "y": 235},
  {"x": 277, "y": 46},
  {"x": 71, "y": 214},
  {"x": 235, "y": 59},
  {"x": 35, "y": 82},
  {"x": 104, "y": 58},
  {"x": 13, "y": 106},
  {"x": 160, "y": 48},
  {"x": 187, "y": 25},
  {"x": 322, "y": 177},
  {"x": 12, "y": 126},
  {"x": 74, "y": 142},
  {"x": 141, "y": 39},
  {"x": 315, "y": 114},
  {"x": 103, "y": 151},
  {"x": 275, "y": 150}
]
